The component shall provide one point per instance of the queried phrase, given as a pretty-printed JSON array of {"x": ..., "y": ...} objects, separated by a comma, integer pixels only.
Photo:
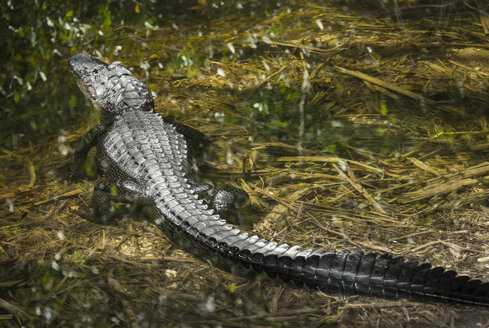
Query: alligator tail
[
  {"x": 371, "y": 274},
  {"x": 333, "y": 272}
]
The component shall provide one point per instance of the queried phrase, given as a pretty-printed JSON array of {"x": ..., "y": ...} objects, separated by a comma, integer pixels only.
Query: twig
[
  {"x": 66, "y": 194},
  {"x": 360, "y": 189},
  {"x": 414, "y": 250},
  {"x": 384, "y": 84},
  {"x": 330, "y": 159}
]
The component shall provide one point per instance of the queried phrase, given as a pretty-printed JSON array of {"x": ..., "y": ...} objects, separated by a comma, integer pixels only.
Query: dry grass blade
[
  {"x": 359, "y": 188},
  {"x": 384, "y": 84}
]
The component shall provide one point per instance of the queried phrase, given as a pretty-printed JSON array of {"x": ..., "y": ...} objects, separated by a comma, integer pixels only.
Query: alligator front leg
[{"x": 87, "y": 142}]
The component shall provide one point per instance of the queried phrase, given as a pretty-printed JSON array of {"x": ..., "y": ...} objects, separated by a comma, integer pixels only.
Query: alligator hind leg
[
  {"x": 227, "y": 200},
  {"x": 104, "y": 194}
]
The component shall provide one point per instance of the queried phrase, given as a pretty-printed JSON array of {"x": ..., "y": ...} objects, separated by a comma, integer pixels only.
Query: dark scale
[{"x": 145, "y": 158}]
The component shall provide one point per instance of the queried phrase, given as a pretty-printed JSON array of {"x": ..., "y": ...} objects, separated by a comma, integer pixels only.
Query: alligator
[{"x": 146, "y": 158}]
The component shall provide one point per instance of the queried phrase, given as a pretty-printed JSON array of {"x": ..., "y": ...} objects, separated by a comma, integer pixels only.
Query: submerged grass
[{"x": 347, "y": 128}]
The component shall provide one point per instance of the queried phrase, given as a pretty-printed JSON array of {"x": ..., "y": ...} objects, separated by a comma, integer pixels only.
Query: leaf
[
  {"x": 72, "y": 100},
  {"x": 16, "y": 97},
  {"x": 137, "y": 9}
]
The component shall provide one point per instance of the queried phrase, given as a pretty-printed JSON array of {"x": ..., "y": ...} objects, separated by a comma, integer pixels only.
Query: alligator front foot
[{"x": 102, "y": 210}]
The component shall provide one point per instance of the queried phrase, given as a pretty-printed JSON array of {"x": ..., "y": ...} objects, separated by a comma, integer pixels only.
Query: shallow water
[{"x": 349, "y": 126}]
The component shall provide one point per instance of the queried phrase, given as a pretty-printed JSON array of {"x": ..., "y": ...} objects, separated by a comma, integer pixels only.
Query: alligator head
[{"x": 112, "y": 88}]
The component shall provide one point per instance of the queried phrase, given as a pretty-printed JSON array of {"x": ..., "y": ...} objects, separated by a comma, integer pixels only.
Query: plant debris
[{"x": 348, "y": 129}]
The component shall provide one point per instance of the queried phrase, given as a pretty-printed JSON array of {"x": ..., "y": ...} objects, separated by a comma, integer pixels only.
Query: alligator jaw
[{"x": 84, "y": 67}]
